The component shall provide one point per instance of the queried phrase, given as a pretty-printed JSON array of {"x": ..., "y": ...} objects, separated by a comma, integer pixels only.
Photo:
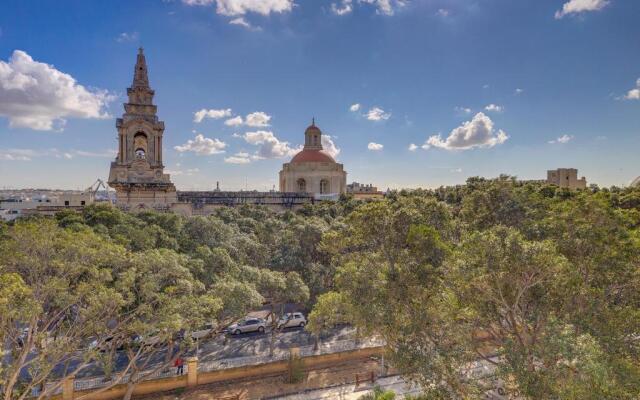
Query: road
[{"x": 224, "y": 347}]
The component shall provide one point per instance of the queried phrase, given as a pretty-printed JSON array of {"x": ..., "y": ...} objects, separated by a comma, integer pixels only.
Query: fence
[{"x": 196, "y": 372}]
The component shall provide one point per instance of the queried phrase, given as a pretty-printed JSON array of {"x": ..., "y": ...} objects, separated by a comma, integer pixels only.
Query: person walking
[{"x": 179, "y": 364}]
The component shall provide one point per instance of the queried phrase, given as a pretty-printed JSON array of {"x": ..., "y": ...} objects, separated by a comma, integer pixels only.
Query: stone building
[
  {"x": 312, "y": 170},
  {"x": 566, "y": 178},
  {"x": 137, "y": 174},
  {"x": 636, "y": 182},
  {"x": 364, "y": 192}
]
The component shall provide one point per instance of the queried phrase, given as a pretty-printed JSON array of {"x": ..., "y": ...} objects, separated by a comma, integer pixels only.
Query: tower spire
[{"x": 140, "y": 76}]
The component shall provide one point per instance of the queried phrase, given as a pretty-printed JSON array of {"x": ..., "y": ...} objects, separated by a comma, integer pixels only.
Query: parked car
[
  {"x": 203, "y": 332},
  {"x": 248, "y": 325},
  {"x": 290, "y": 320}
]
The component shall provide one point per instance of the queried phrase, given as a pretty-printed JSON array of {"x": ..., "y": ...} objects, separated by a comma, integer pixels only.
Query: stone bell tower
[{"x": 137, "y": 174}]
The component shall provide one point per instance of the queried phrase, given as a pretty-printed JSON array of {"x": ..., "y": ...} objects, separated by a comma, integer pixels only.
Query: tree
[
  {"x": 279, "y": 289},
  {"x": 57, "y": 292}
]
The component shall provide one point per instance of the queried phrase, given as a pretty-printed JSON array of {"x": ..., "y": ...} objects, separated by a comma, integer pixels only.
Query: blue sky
[{"x": 479, "y": 87}]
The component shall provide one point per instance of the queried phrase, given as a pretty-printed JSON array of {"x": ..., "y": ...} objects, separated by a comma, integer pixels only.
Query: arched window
[
  {"x": 302, "y": 186},
  {"x": 140, "y": 145},
  {"x": 324, "y": 186}
]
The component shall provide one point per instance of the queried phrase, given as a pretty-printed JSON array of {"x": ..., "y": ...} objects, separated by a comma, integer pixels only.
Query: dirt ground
[{"x": 275, "y": 386}]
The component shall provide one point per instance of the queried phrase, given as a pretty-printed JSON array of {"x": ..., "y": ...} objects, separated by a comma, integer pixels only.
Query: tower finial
[
  {"x": 313, "y": 121},
  {"x": 140, "y": 77}
]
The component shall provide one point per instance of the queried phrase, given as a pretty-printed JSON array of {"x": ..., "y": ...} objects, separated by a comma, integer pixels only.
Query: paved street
[{"x": 230, "y": 346}]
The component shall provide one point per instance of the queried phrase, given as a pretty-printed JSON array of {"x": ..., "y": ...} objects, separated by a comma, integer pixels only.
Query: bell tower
[{"x": 137, "y": 174}]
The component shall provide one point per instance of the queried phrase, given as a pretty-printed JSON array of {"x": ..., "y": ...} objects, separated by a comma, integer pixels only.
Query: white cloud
[
  {"x": 29, "y": 154},
  {"x": 269, "y": 145},
  {"x": 199, "y": 116},
  {"x": 35, "y": 95},
  {"x": 442, "y": 12},
  {"x": 238, "y": 158},
  {"x": 375, "y": 146},
  {"x": 377, "y": 114},
  {"x": 562, "y": 139},
  {"x": 477, "y": 133},
  {"x": 127, "y": 37},
  {"x": 257, "y": 119},
  {"x": 345, "y": 7},
  {"x": 198, "y": 2},
  {"x": 633, "y": 94},
  {"x": 329, "y": 146},
  {"x": 413, "y": 147},
  {"x": 386, "y": 7},
  {"x": 580, "y": 6},
  {"x": 235, "y": 121},
  {"x": 202, "y": 146},
  {"x": 354, "y": 107},
  {"x": 519, "y": 91},
  {"x": 494, "y": 108},
  {"x": 240, "y": 21},
  {"x": 105, "y": 154},
  {"x": 263, "y": 7},
  {"x": 464, "y": 110}
]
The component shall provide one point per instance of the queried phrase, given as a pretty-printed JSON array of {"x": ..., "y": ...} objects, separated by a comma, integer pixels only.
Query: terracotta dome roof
[{"x": 312, "y": 156}]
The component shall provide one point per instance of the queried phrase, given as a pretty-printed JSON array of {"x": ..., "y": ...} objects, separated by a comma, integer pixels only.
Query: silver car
[
  {"x": 290, "y": 320},
  {"x": 248, "y": 325}
]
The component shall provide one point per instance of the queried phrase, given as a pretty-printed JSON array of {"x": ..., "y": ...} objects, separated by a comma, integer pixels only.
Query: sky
[{"x": 410, "y": 93}]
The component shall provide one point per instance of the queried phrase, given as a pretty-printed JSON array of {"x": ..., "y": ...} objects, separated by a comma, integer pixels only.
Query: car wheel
[
  {"x": 261, "y": 329},
  {"x": 301, "y": 324},
  {"x": 237, "y": 332}
]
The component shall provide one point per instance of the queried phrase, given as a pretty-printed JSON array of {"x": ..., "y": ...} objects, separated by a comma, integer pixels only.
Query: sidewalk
[{"x": 349, "y": 392}]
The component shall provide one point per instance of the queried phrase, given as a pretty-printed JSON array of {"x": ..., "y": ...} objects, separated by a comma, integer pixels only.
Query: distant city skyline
[{"x": 417, "y": 93}]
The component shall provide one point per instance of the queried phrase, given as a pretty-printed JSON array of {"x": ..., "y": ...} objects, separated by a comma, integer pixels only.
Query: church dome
[
  {"x": 307, "y": 155},
  {"x": 636, "y": 182}
]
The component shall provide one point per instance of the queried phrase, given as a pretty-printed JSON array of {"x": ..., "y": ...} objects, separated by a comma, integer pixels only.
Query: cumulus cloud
[
  {"x": 519, "y": 91},
  {"x": 562, "y": 139},
  {"x": 263, "y": 7},
  {"x": 238, "y": 158},
  {"x": 375, "y": 146},
  {"x": 269, "y": 146},
  {"x": 477, "y": 133},
  {"x": 257, "y": 119},
  {"x": 199, "y": 116},
  {"x": 329, "y": 146},
  {"x": 633, "y": 94},
  {"x": 235, "y": 121},
  {"x": 580, "y": 6},
  {"x": 377, "y": 114},
  {"x": 413, "y": 147},
  {"x": 35, "y": 95},
  {"x": 343, "y": 8},
  {"x": 494, "y": 108},
  {"x": 386, "y": 7},
  {"x": 127, "y": 37},
  {"x": 354, "y": 107},
  {"x": 442, "y": 12},
  {"x": 202, "y": 146}
]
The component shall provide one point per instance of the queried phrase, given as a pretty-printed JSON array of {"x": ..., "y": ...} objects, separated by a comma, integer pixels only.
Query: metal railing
[{"x": 306, "y": 351}]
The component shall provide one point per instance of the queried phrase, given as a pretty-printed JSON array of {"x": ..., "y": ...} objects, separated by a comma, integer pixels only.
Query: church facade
[
  {"x": 312, "y": 170},
  {"x": 137, "y": 174}
]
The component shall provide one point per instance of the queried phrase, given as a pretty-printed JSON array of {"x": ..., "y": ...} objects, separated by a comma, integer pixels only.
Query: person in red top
[{"x": 179, "y": 364}]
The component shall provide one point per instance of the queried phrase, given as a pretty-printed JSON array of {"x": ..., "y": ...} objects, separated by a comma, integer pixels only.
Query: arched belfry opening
[{"x": 140, "y": 142}]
